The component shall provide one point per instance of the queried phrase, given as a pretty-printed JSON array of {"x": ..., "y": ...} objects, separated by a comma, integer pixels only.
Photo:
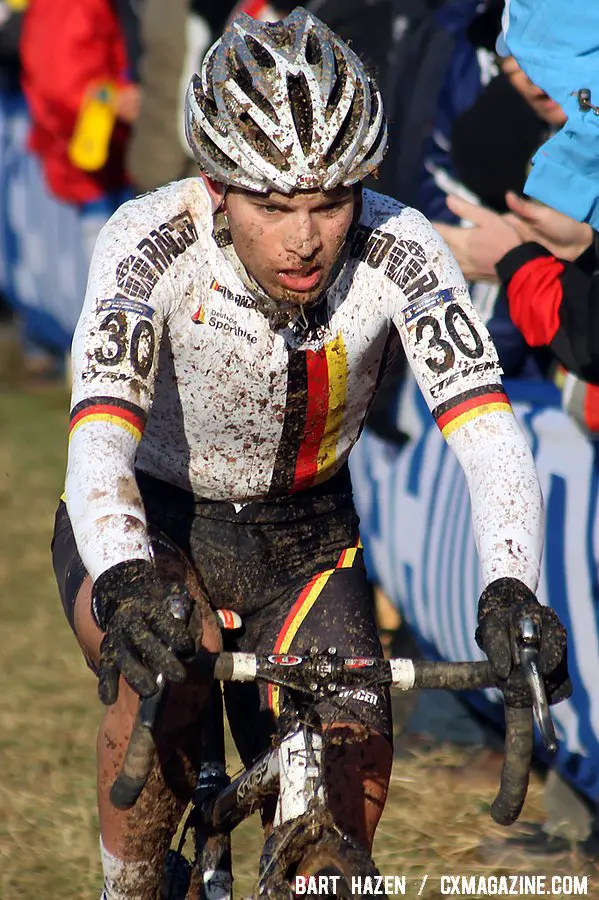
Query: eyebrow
[{"x": 282, "y": 205}]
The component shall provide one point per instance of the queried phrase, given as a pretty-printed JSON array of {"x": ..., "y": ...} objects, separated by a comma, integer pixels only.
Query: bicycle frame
[
  {"x": 292, "y": 770},
  {"x": 293, "y": 767}
]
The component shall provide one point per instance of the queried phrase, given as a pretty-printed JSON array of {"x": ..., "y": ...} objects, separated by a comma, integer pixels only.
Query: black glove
[
  {"x": 501, "y": 605},
  {"x": 142, "y": 638}
]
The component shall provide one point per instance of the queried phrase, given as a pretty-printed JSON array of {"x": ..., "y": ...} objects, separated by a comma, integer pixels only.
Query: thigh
[{"x": 334, "y": 608}]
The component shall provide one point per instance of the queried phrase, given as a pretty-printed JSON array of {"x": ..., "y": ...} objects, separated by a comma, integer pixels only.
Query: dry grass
[{"x": 49, "y": 712}]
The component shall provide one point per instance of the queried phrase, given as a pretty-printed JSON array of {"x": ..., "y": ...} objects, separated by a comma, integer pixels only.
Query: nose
[{"x": 303, "y": 238}]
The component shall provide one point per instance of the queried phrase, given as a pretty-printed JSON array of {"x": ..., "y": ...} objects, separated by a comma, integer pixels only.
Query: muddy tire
[{"x": 333, "y": 856}]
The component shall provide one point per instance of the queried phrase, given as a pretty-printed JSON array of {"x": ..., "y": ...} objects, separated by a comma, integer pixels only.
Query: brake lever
[
  {"x": 528, "y": 655},
  {"x": 180, "y": 607}
]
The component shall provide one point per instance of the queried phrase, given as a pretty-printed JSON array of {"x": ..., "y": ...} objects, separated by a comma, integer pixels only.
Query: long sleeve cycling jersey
[{"x": 177, "y": 372}]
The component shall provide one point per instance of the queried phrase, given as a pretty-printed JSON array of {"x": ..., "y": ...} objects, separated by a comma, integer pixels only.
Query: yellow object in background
[
  {"x": 88, "y": 149},
  {"x": 17, "y": 5}
]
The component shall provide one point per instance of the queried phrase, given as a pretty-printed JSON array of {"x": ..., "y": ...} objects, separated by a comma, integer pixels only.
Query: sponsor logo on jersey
[
  {"x": 120, "y": 302},
  {"x": 138, "y": 273},
  {"x": 221, "y": 321},
  {"x": 405, "y": 261},
  {"x": 466, "y": 372},
  {"x": 418, "y": 307},
  {"x": 243, "y": 300},
  {"x": 199, "y": 317}
]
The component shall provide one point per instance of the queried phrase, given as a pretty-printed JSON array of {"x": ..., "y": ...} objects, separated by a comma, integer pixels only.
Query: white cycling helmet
[{"x": 284, "y": 106}]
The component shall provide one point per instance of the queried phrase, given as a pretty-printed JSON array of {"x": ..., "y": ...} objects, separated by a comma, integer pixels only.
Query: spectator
[
  {"x": 552, "y": 281},
  {"x": 493, "y": 245},
  {"x": 74, "y": 56},
  {"x": 488, "y": 127},
  {"x": 562, "y": 60},
  {"x": 175, "y": 37}
]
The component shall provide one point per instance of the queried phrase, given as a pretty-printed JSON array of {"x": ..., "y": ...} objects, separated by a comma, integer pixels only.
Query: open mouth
[{"x": 300, "y": 279}]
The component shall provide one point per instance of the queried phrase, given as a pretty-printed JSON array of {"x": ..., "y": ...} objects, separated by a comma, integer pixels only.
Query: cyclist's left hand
[{"x": 501, "y": 605}]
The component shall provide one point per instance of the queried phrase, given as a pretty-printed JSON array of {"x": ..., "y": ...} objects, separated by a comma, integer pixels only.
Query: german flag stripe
[
  {"x": 126, "y": 415},
  {"x": 348, "y": 557},
  {"x": 469, "y": 405},
  {"x": 300, "y": 610},
  {"x": 315, "y": 408},
  {"x": 297, "y": 614},
  {"x": 294, "y": 424},
  {"x": 466, "y": 395},
  {"x": 306, "y": 467},
  {"x": 337, "y": 366}
]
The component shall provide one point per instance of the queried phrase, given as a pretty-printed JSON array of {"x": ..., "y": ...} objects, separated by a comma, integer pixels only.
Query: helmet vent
[
  {"x": 244, "y": 80},
  {"x": 216, "y": 154},
  {"x": 301, "y": 109},
  {"x": 260, "y": 53},
  {"x": 347, "y": 130},
  {"x": 262, "y": 143},
  {"x": 338, "y": 87},
  {"x": 313, "y": 50},
  {"x": 278, "y": 34}
]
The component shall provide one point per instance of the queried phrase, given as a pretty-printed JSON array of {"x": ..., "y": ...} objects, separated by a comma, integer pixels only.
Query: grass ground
[{"x": 49, "y": 711}]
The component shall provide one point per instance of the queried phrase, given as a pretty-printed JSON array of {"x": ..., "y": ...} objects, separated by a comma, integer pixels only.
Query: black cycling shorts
[{"x": 292, "y": 569}]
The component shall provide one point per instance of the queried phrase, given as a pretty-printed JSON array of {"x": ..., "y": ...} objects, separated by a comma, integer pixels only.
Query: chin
[{"x": 299, "y": 299}]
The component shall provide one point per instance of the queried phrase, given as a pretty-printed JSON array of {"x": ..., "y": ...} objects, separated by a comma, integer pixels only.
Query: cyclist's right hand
[
  {"x": 502, "y": 604},
  {"x": 142, "y": 637}
]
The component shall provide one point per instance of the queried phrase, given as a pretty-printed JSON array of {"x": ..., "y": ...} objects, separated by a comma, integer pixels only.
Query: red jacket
[{"x": 66, "y": 46}]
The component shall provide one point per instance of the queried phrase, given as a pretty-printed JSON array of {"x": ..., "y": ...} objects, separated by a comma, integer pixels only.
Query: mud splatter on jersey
[{"x": 177, "y": 372}]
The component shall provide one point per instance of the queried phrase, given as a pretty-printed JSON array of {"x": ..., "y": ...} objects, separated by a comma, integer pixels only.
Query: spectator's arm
[
  {"x": 554, "y": 303},
  {"x": 130, "y": 13}
]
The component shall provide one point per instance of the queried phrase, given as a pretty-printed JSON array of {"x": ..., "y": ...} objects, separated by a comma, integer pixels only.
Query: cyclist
[{"x": 235, "y": 328}]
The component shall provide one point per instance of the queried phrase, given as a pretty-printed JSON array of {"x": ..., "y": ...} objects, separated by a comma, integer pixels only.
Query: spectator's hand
[
  {"x": 478, "y": 248},
  {"x": 502, "y": 604},
  {"x": 128, "y": 100},
  {"x": 564, "y": 237}
]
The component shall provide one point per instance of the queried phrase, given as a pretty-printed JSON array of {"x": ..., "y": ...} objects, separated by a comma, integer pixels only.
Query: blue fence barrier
[
  {"x": 44, "y": 243},
  {"x": 415, "y": 524}
]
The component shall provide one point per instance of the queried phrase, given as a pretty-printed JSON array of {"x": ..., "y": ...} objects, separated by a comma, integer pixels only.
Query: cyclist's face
[{"x": 290, "y": 244}]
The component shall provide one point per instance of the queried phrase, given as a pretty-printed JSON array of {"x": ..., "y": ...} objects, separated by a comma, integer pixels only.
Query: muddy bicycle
[{"x": 305, "y": 841}]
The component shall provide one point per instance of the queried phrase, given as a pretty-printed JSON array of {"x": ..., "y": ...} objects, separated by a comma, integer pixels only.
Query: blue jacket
[{"x": 556, "y": 42}]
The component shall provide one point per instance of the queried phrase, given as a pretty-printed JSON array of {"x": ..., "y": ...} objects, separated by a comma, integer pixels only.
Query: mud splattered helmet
[{"x": 284, "y": 106}]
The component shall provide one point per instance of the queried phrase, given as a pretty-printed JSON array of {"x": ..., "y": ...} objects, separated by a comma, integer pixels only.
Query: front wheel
[{"x": 349, "y": 871}]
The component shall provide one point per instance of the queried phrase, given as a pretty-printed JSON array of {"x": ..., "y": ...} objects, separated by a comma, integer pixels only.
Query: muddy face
[{"x": 290, "y": 244}]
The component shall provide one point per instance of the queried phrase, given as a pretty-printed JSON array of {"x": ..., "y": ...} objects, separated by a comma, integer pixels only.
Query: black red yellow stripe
[
  {"x": 300, "y": 609},
  {"x": 314, "y": 412},
  {"x": 454, "y": 413},
  {"x": 126, "y": 415}
]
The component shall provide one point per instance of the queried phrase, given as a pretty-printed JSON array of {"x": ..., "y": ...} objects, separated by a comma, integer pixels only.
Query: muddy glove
[
  {"x": 501, "y": 605},
  {"x": 142, "y": 638}
]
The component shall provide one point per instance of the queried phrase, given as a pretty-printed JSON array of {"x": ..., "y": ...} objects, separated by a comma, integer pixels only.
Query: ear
[{"x": 216, "y": 190}]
